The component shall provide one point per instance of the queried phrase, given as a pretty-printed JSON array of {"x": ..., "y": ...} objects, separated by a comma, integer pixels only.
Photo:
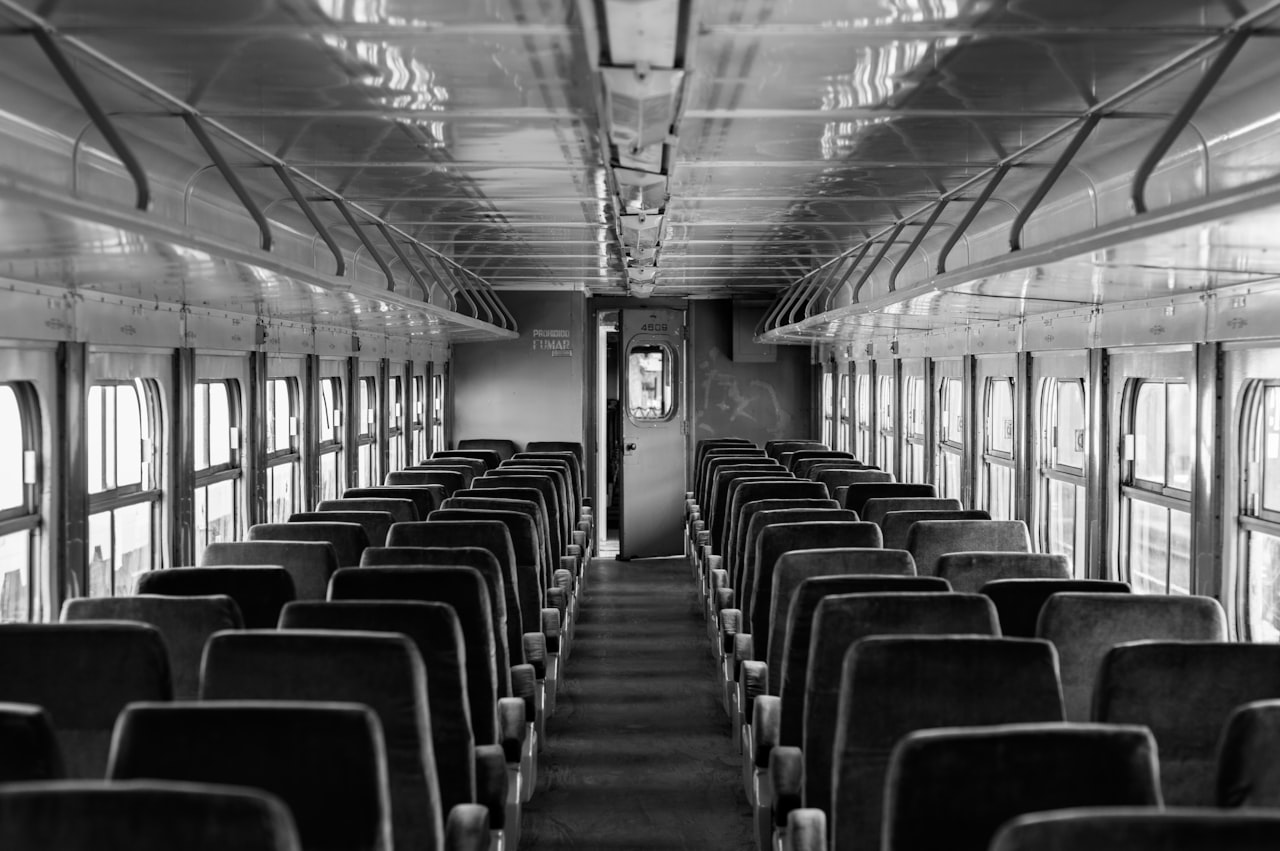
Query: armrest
[
  {"x": 786, "y": 774},
  {"x": 806, "y": 830},
  {"x": 587, "y": 502},
  {"x": 524, "y": 687},
  {"x": 491, "y": 781},
  {"x": 743, "y": 650},
  {"x": 569, "y": 564},
  {"x": 766, "y": 727},
  {"x": 535, "y": 652},
  {"x": 467, "y": 828},
  {"x": 573, "y": 550},
  {"x": 753, "y": 681},
  {"x": 513, "y": 722},
  {"x": 580, "y": 538},
  {"x": 730, "y": 622},
  {"x": 558, "y": 599},
  {"x": 719, "y": 577},
  {"x": 550, "y": 631},
  {"x": 723, "y": 598}
]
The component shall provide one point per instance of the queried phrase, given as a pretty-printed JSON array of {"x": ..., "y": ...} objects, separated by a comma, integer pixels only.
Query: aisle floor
[{"x": 638, "y": 753}]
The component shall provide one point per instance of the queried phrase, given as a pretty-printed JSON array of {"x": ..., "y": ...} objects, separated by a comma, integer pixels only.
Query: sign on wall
[{"x": 553, "y": 340}]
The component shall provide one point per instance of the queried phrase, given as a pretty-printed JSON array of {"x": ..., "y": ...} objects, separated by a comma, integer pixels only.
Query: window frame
[
  {"x": 886, "y": 420},
  {"x": 948, "y": 448},
  {"x": 396, "y": 411},
  {"x": 232, "y": 470},
  {"x": 25, "y": 518},
  {"x": 1050, "y": 470},
  {"x": 915, "y": 428},
  {"x": 336, "y": 445},
  {"x": 992, "y": 458},
  {"x": 291, "y": 455},
  {"x": 864, "y": 412},
  {"x": 843, "y": 418},
  {"x": 1251, "y": 514},
  {"x": 1132, "y": 489},
  {"x": 366, "y": 430}
]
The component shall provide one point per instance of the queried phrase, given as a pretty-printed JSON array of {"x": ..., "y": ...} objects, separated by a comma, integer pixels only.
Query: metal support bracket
[
  {"x": 341, "y": 204},
  {"x": 233, "y": 180},
  {"x": 310, "y": 212},
  {"x": 880, "y": 255},
  {"x": 934, "y": 215},
  {"x": 96, "y": 114},
  {"x": 404, "y": 261},
  {"x": 1042, "y": 190},
  {"x": 1183, "y": 116},
  {"x": 971, "y": 214}
]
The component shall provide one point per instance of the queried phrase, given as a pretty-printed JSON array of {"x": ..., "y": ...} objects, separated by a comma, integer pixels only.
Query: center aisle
[{"x": 638, "y": 753}]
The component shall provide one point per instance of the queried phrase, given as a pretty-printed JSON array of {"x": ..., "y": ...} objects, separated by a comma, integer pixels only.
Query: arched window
[
  {"x": 329, "y": 435},
  {"x": 1063, "y": 452},
  {"x": 951, "y": 438},
  {"x": 998, "y": 463},
  {"x": 218, "y": 470},
  {"x": 284, "y": 457},
  {"x": 19, "y": 489},
  {"x": 367, "y": 434},
  {"x": 1259, "y": 517}
]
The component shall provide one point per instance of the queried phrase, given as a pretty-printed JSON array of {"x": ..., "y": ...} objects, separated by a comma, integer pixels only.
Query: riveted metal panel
[{"x": 1153, "y": 323}]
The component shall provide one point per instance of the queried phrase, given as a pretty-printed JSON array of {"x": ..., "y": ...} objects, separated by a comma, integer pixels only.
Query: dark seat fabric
[
  {"x": 896, "y": 525},
  {"x": 1018, "y": 601},
  {"x": 546, "y": 559},
  {"x": 494, "y": 537},
  {"x": 402, "y": 510},
  {"x": 874, "y": 510},
  {"x": 571, "y": 465},
  {"x": 525, "y": 550},
  {"x": 716, "y": 460},
  {"x": 970, "y": 571},
  {"x": 1139, "y": 829},
  {"x": 890, "y": 687},
  {"x": 573, "y": 446},
  {"x": 845, "y": 477},
  {"x": 185, "y": 624},
  {"x": 737, "y": 551},
  {"x": 800, "y": 455},
  {"x": 83, "y": 674},
  {"x": 466, "y": 470},
  {"x": 326, "y": 761},
  {"x": 929, "y": 540},
  {"x": 811, "y": 694},
  {"x": 447, "y": 479},
  {"x": 348, "y": 539},
  {"x": 711, "y": 502},
  {"x": 558, "y": 475},
  {"x": 464, "y": 589},
  {"x": 383, "y": 671},
  {"x": 1248, "y": 773},
  {"x": 488, "y": 457},
  {"x": 28, "y": 745},
  {"x": 717, "y": 514},
  {"x": 776, "y": 448},
  {"x": 742, "y": 491},
  {"x": 142, "y": 815},
  {"x": 434, "y": 629},
  {"x": 259, "y": 591},
  {"x": 1085, "y": 626},
  {"x": 374, "y": 523},
  {"x": 954, "y": 787},
  {"x": 308, "y": 563},
  {"x": 531, "y": 496},
  {"x": 782, "y": 538},
  {"x": 542, "y": 484},
  {"x": 1185, "y": 692},
  {"x": 857, "y": 494},
  {"x": 426, "y": 498},
  {"x": 505, "y": 448},
  {"x": 864, "y": 568}
]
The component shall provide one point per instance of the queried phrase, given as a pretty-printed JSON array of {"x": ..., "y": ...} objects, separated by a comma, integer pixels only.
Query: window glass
[
  {"x": 282, "y": 426},
  {"x": 1269, "y": 448},
  {"x": 1159, "y": 549},
  {"x": 215, "y": 424},
  {"x": 828, "y": 410},
  {"x": 330, "y": 475},
  {"x": 886, "y": 391},
  {"x": 1262, "y": 602},
  {"x": 1149, "y": 433},
  {"x": 1182, "y": 428},
  {"x": 216, "y": 513},
  {"x": 115, "y": 437},
  {"x": 1069, "y": 425},
  {"x": 1065, "y": 514},
  {"x": 951, "y": 418},
  {"x": 650, "y": 389},
  {"x": 15, "y": 577},
  {"x": 330, "y": 426},
  {"x": 915, "y": 406},
  {"x": 120, "y": 543},
  {"x": 1163, "y": 435},
  {"x": 13, "y": 493},
  {"x": 862, "y": 415},
  {"x": 1000, "y": 415},
  {"x": 280, "y": 492},
  {"x": 368, "y": 407},
  {"x": 419, "y": 407},
  {"x": 437, "y": 412}
]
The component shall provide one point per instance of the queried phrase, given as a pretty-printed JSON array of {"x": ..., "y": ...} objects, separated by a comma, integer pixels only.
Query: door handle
[{"x": 630, "y": 447}]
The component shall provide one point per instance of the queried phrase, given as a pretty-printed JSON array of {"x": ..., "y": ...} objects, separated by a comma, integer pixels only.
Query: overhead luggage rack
[{"x": 149, "y": 223}]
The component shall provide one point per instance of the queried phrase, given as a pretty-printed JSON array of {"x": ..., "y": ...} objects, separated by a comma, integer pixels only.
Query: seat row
[
  {"x": 836, "y": 650},
  {"x": 472, "y": 588}
]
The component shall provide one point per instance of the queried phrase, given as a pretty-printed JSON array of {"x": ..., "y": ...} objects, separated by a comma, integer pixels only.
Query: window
[
  {"x": 997, "y": 459},
  {"x": 1156, "y": 493},
  {"x": 887, "y": 422},
  {"x": 1259, "y": 520},
  {"x": 915, "y": 425},
  {"x": 437, "y": 413},
  {"x": 862, "y": 439},
  {"x": 217, "y": 462},
  {"x": 395, "y": 423},
  {"x": 19, "y": 513},
  {"x": 367, "y": 434},
  {"x": 419, "y": 408},
  {"x": 283, "y": 457},
  {"x": 650, "y": 383},
  {"x": 1063, "y": 442},
  {"x": 828, "y": 410},
  {"x": 950, "y": 470},
  {"x": 123, "y": 497},
  {"x": 332, "y": 478},
  {"x": 842, "y": 414}
]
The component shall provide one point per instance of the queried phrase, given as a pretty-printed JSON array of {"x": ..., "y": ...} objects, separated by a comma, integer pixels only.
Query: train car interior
[{"x": 743, "y": 425}]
